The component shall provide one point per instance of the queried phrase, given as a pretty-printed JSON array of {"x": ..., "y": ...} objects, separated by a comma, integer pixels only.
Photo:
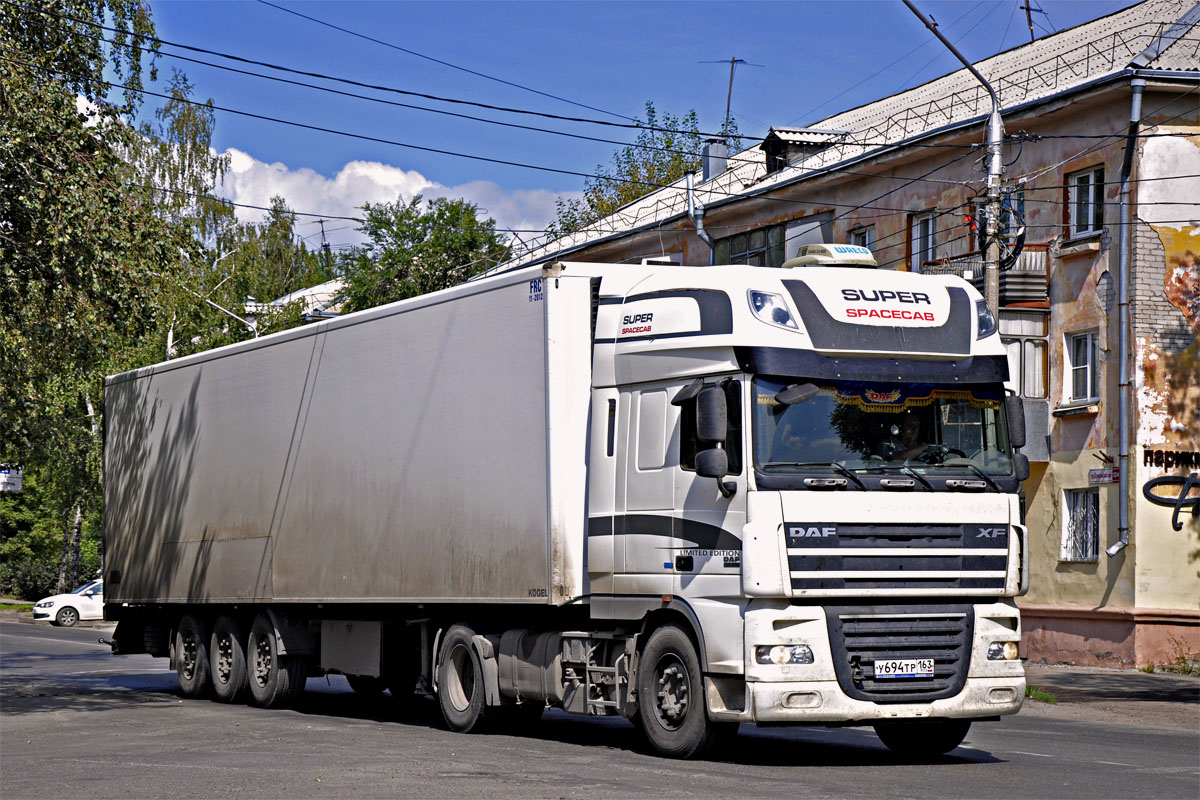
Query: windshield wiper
[
  {"x": 907, "y": 470},
  {"x": 841, "y": 470},
  {"x": 980, "y": 473}
]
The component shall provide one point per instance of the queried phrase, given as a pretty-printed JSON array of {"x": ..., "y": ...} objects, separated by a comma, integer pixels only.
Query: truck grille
[
  {"x": 830, "y": 559},
  {"x": 861, "y": 635}
]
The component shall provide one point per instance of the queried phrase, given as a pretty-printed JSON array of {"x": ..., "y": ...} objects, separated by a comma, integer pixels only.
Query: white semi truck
[{"x": 692, "y": 496}]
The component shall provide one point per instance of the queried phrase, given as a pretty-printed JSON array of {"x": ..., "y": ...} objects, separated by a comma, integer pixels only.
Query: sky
[{"x": 593, "y": 60}]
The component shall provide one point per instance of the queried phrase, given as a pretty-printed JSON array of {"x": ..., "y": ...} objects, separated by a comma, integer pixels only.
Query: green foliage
[
  {"x": 32, "y": 524},
  {"x": 1040, "y": 695},
  {"x": 419, "y": 247},
  {"x": 664, "y": 151}
]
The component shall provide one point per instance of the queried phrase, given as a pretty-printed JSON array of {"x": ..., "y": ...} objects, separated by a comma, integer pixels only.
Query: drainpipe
[
  {"x": 1124, "y": 259},
  {"x": 697, "y": 216}
]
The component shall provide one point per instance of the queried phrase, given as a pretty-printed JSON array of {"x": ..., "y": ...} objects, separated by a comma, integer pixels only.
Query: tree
[
  {"x": 664, "y": 151},
  {"x": 419, "y": 247}
]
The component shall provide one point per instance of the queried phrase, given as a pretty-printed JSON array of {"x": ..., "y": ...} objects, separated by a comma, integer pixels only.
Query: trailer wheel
[
  {"x": 366, "y": 685},
  {"x": 460, "y": 690},
  {"x": 671, "y": 696},
  {"x": 191, "y": 657},
  {"x": 227, "y": 659},
  {"x": 924, "y": 738},
  {"x": 275, "y": 680}
]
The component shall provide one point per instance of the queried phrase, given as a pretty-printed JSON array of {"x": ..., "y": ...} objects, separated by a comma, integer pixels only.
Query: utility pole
[
  {"x": 995, "y": 174},
  {"x": 1029, "y": 19}
]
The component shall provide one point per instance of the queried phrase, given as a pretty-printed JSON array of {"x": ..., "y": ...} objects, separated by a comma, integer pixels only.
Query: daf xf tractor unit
[{"x": 695, "y": 497}]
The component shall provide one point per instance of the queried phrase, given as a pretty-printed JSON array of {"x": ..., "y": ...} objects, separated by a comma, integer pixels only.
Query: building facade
[{"x": 903, "y": 177}]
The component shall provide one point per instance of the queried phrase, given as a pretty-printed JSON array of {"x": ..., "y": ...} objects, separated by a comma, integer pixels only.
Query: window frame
[
  {"x": 929, "y": 238},
  {"x": 863, "y": 236},
  {"x": 1027, "y": 341},
  {"x": 1070, "y": 549},
  {"x": 771, "y": 248},
  {"x": 1091, "y": 367},
  {"x": 1092, "y": 223}
]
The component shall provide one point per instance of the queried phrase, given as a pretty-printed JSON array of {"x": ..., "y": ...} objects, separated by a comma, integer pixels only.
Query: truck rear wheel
[
  {"x": 460, "y": 690},
  {"x": 227, "y": 659},
  {"x": 923, "y": 738},
  {"x": 275, "y": 680},
  {"x": 671, "y": 696},
  {"x": 191, "y": 656}
]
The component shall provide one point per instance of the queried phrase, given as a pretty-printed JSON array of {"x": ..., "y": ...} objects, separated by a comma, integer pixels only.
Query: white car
[{"x": 86, "y": 602}]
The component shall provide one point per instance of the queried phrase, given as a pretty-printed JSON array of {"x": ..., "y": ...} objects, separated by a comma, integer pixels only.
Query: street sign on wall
[
  {"x": 11, "y": 478},
  {"x": 1104, "y": 475}
]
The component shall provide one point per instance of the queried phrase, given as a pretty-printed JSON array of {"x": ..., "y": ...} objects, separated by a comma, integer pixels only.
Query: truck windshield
[{"x": 864, "y": 427}]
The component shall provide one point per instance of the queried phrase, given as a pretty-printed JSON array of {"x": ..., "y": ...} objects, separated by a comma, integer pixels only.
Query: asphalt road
[{"x": 76, "y": 721}]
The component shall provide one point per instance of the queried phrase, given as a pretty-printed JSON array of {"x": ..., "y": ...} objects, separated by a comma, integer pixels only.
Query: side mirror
[
  {"x": 797, "y": 393},
  {"x": 1021, "y": 466},
  {"x": 712, "y": 414},
  {"x": 1014, "y": 410},
  {"x": 714, "y": 463}
]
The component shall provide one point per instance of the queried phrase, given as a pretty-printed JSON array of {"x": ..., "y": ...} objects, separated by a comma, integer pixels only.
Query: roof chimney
[{"x": 715, "y": 158}]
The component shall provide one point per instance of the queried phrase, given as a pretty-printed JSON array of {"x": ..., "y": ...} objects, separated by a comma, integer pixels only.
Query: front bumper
[
  {"x": 43, "y": 615},
  {"x": 816, "y": 702}
]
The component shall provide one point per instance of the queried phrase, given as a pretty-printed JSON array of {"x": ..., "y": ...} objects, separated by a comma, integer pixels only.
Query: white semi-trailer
[{"x": 694, "y": 497}]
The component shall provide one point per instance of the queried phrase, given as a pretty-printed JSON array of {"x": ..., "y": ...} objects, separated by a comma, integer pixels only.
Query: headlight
[
  {"x": 771, "y": 309},
  {"x": 44, "y": 604},
  {"x": 783, "y": 654},
  {"x": 1003, "y": 651},
  {"x": 987, "y": 320}
]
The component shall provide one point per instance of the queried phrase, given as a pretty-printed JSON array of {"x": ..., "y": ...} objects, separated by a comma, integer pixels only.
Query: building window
[
  {"x": 1081, "y": 525},
  {"x": 1024, "y": 337},
  {"x": 763, "y": 247},
  {"x": 1083, "y": 367},
  {"x": 1085, "y": 205},
  {"x": 864, "y": 237},
  {"x": 923, "y": 239}
]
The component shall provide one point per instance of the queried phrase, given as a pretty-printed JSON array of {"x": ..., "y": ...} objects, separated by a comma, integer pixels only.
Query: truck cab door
[
  {"x": 643, "y": 538},
  {"x": 709, "y": 559}
]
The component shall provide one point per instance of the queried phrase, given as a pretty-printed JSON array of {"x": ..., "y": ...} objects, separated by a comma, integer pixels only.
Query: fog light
[
  {"x": 783, "y": 654},
  {"x": 1003, "y": 651}
]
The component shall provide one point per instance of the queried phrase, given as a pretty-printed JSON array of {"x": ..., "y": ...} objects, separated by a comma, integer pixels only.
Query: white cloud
[{"x": 254, "y": 182}]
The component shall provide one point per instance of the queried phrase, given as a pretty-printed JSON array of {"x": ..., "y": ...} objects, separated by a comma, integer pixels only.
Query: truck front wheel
[
  {"x": 671, "y": 696},
  {"x": 460, "y": 689},
  {"x": 191, "y": 656},
  {"x": 923, "y": 738},
  {"x": 227, "y": 659},
  {"x": 275, "y": 680}
]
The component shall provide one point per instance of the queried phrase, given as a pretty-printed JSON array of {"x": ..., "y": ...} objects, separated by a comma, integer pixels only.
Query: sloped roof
[
  {"x": 1160, "y": 34},
  {"x": 324, "y": 298}
]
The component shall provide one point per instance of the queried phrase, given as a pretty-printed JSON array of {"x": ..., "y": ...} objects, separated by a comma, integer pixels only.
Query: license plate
[{"x": 904, "y": 668}]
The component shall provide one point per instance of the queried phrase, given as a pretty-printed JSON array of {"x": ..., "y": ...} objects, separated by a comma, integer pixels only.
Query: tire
[
  {"x": 923, "y": 738},
  {"x": 366, "y": 685},
  {"x": 67, "y": 616},
  {"x": 275, "y": 681},
  {"x": 227, "y": 660},
  {"x": 671, "y": 697},
  {"x": 460, "y": 690},
  {"x": 191, "y": 657}
]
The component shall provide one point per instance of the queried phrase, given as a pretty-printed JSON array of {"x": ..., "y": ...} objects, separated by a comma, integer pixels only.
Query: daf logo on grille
[{"x": 813, "y": 531}]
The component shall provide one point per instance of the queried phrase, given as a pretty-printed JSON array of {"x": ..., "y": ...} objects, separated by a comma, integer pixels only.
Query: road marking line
[
  {"x": 1116, "y": 764},
  {"x": 11, "y": 636},
  {"x": 1039, "y": 755}
]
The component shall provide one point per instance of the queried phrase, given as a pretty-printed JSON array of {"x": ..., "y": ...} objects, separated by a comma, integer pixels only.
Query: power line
[
  {"x": 443, "y": 63},
  {"x": 458, "y": 154},
  {"x": 394, "y": 90}
]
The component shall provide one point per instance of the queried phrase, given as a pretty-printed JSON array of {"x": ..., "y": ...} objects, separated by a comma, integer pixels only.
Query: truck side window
[{"x": 689, "y": 445}]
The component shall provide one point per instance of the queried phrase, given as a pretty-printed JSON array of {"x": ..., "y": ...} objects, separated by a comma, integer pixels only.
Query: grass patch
[
  {"x": 7, "y": 606},
  {"x": 1040, "y": 695}
]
